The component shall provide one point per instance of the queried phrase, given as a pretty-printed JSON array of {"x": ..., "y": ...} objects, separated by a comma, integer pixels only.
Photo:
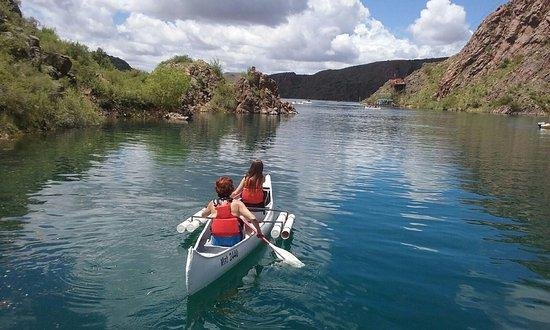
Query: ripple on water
[{"x": 401, "y": 216}]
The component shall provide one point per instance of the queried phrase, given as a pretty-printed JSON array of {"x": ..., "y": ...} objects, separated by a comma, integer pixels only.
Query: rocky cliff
[
  {"x": 252, "y": 92},
  {"x": 257, "y": 93},
  {"x": 349, "y": 84},
  {"x": 504, "y": 68}
]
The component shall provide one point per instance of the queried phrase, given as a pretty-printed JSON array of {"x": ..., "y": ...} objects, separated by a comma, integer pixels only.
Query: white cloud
[
  {"x": 303, "y": 38},
  {"x": 441, "y": 23}
]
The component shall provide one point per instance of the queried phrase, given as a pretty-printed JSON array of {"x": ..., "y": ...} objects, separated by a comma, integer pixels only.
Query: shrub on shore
[
  {"x": 223, "y": 98},
  {"x": 165, "y": 86},
  {"x": 36, "y": 96},
  {"x": 31, "y": 99}
]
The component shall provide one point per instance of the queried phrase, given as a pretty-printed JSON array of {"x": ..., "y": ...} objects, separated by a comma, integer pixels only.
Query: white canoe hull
[{"x": 207, "y": 263}]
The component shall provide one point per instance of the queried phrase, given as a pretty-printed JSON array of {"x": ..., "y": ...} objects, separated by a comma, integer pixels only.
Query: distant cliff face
[
  {"x": 519, "y": 30},
  {"x": 504, "y": 68},
  {"x": 349, "y": 84}
]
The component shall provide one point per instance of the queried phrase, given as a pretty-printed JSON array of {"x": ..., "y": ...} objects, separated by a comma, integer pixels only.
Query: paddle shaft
[
  {"x": 199, "y": 217},
  {"x": 263, "y": 238},
  {"x": 257, "y": 209}
]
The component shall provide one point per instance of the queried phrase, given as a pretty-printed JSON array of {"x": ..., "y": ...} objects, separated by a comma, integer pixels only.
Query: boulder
[
  {"x": 13, "y": 6},
  {"x": 33, "y": 41},
  {"x": 60, "y": 62},
  {"x": 176, "y": 118}
]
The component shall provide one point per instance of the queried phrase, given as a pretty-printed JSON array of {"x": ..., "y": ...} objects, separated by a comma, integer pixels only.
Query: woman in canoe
[
  {"x": 226, "y": 226},
  {"x": 250, "y": 188}
]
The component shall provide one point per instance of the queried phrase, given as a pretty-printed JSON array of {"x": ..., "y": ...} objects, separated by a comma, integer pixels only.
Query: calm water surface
[{"x": 404, "y": 219}]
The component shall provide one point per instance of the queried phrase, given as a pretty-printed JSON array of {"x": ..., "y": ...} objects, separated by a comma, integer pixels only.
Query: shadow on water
[{"x": 224, "y": 289}]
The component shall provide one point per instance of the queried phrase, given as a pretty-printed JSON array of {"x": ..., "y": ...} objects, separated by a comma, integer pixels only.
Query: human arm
[
  {"x": 250, "y": 217},
  {"x": 238, "y": 190},
  {"x": 207, "y": 210}
]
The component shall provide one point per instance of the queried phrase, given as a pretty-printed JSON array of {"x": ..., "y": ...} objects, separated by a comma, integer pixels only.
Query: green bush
[
  {"x": 165, "y": 86},
  {"x": 504, "y": 64},
  {"x": 505, "y": 100},
  {"x": 178, "y": 59},
  {"x": 223, "y": 98},
  {"x": 31, "y": 100},
  {"x": 25, "y": 93},
  {"x": 216, "y": 67},
  {"x": 74, "y": 110}
]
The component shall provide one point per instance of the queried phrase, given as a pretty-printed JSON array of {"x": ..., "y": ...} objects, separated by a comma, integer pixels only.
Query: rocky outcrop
[
  {"x": 204, "y": 79},
  {"x": 13, "y": 5},
  {"x": 503, "y": 69},
  {"x": 54, "y": 64},
  {"x": 349, "y": 84},
  {"x": 61, "y": 63},
  {"x": 101, "y": 57},
  {"x": 257, "y": 93},
  {"x": 119, "y": 63},
  {"x": 175, "y": 118},
  {"x": 515, "y": 30}
]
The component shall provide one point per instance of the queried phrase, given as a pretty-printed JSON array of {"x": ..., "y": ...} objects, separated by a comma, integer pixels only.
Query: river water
[{"x": 404, "y": 219}]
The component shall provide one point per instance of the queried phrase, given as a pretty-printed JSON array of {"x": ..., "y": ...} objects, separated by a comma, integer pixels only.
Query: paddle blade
[
  {"x": 181, "y": 227},
  {"x": 287, "y": 257}
]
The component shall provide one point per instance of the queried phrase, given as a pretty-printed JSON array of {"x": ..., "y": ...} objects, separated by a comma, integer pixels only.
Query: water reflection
[
  {"x": 509, "y": 166},
  {"x": 401, "y": 216},
  {"x": 35, "y": 160}
]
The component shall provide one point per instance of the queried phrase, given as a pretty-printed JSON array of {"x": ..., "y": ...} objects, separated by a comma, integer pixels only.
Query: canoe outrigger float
[{"x": 207, "y": 262}]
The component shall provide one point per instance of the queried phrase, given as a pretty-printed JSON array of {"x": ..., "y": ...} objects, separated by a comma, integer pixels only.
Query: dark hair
[
  {"x": 224, "y": 187},
  {"x": 255, "y": 176}
]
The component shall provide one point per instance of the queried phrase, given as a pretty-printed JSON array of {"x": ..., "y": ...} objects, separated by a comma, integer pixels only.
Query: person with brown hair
[
  {"x": 250, "y": 188},
  {"x": 226, "y": 225}
]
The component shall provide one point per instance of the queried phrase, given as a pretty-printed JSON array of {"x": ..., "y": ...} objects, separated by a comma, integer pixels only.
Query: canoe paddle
[{"x": 282, "y": 254}]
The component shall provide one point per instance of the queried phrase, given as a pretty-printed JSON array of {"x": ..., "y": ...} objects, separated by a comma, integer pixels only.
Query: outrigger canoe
[{"x": 207, "y": 262}]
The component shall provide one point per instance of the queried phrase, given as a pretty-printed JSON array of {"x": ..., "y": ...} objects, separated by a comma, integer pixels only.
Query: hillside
[
  {"x": 349, "y": 84},
  {"x": 504, "y": 68},
  {"x": 47, "y": 83}
]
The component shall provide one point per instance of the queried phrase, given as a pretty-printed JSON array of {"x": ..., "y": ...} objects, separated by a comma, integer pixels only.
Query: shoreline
[{"x": 128, "y": 117}]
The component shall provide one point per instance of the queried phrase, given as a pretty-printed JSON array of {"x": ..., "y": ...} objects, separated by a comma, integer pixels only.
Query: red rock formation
[
  {"x": 257, "y": 93},
  {"x": 518, "y": 30},
  {"x": 204, "y": 79}
]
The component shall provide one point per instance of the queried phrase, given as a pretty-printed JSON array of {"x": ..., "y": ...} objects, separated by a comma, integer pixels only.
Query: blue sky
[
  {"x": 398, "y": 14},
  {"x": 303, "y": 36}
]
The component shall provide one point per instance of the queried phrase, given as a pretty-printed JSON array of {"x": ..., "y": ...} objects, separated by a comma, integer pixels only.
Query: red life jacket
[
  {"x": 252, "y": 195},
  {"x": 225, "y": 224}
]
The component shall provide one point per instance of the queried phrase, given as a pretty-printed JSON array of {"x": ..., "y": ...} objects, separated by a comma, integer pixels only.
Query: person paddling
[
  {"x": 226, "y": 225},
  {"x": 250, "y": 188}
]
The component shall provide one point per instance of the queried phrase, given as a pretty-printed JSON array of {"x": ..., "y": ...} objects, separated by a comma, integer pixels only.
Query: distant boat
[
  {"x": 370, "y": 107},
  {"x": 543, "y": 125}
]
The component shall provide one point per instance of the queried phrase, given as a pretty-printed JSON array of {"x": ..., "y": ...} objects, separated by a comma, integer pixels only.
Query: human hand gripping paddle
[{"x": 283, "y": 255}]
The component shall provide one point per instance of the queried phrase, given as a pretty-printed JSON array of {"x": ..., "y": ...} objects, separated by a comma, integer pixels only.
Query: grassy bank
[
  {"x": 495, "y": 91},
  {"x": 36, "y": 94}
]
